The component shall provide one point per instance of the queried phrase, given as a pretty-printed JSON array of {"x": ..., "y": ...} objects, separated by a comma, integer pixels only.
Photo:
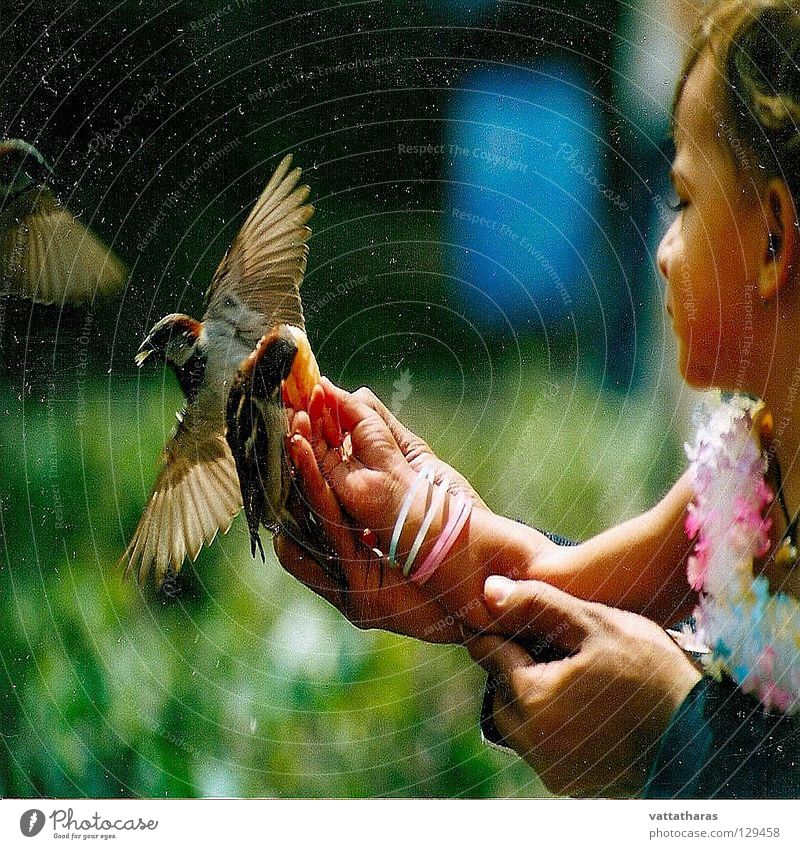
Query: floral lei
[{"x": 751, "y": 634}]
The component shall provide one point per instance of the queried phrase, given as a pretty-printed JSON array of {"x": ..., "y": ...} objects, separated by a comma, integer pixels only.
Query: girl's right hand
[
  {"x": 417, "y": 452},
  {"x": 384, "y": 457},
  {"x": 376, "y": 596}
]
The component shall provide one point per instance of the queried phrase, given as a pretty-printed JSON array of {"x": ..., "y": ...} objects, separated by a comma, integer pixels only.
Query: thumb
[{"x": 537, "y": 610}]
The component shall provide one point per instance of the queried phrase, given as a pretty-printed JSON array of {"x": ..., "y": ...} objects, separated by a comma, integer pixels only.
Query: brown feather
[
  {"x": 264, "y": 268},
  {"x": 196, "y": 494}
]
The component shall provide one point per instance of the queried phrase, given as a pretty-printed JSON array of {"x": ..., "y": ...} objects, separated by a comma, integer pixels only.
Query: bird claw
[{"x": 255, "y": 542}]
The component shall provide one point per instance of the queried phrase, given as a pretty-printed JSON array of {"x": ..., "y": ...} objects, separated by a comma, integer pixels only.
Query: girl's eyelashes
[{"x": 677, "y": 204}]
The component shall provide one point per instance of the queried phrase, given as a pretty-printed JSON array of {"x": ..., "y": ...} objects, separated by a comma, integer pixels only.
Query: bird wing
[
  {"x": 47, "y": 255},
  {"x": 264, "y": 267},
  {"x": 196, "y": 494}
]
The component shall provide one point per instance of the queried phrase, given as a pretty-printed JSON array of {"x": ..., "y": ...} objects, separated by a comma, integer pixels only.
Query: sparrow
[
  {"x": 256, "y": 425},
  {"x": 46, "y": 254},
  {"x": 254, "y": 297}
]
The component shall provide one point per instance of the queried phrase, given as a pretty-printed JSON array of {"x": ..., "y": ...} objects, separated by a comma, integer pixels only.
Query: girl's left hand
[{"x": 591, "y": 722}]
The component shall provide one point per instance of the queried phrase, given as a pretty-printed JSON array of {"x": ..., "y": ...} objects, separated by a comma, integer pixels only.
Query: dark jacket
[{"x": 720, "y": 744}]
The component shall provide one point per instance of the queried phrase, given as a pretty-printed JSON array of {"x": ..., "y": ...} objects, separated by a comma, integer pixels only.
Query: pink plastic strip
[{"x": 438, "y": 554}]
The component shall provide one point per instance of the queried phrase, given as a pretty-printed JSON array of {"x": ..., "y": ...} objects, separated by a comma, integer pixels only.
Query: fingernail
[{"x": 497, "y": 589}]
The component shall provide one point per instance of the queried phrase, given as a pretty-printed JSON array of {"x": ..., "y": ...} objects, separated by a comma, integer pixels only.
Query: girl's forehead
[{"x": 699, "y": 113}]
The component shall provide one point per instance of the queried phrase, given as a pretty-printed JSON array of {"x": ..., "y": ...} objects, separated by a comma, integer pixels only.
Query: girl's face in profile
[{"x": 711, "y": 254}]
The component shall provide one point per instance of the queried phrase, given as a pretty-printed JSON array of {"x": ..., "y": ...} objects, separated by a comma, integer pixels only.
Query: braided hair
[{"x": 756, "y": 45}]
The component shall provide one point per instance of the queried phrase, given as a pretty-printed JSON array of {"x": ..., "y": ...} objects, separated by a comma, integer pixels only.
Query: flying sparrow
[
  {"x": 255, "y": 293},
  {"x": 46, "y": 255}
]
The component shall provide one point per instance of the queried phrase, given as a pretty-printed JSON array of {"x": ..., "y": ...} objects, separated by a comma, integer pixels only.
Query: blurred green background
[{"x": 245, "y": 683}]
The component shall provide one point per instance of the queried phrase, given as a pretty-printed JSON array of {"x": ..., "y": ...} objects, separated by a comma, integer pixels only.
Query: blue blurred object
[{"x": 527, "y": 195}]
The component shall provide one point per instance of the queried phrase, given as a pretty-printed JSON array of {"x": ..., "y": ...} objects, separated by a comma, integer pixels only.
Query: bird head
[
  {"x": 21, "y": 166},
  {"x": 172, "y": 340}
]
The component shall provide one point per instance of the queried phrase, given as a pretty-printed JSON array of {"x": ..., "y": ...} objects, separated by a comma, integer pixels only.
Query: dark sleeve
[
  {"x": 489, "y": 731},
  {"x": 720, "y": 744}
]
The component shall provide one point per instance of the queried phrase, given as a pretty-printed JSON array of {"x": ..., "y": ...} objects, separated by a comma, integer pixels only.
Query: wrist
[{"x": 424, "y": 523}]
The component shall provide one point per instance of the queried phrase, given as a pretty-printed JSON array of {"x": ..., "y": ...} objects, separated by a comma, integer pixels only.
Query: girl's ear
[{"x": 780, "y": 250}]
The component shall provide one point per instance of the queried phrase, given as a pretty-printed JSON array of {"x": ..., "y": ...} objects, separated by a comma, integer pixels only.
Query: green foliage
[{"x": 247, "y": 684}]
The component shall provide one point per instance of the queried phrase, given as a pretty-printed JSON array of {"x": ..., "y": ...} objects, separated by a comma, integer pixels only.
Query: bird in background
[
  {"x": 46, "y": 254},
  {"x": 252, "y": 325}
]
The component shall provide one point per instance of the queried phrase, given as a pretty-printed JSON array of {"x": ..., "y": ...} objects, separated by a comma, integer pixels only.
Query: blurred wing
[
  {"x": 196, "y": 494},
  {"x": 47, "y": 255},
  {"x": 263, "y": 270}
]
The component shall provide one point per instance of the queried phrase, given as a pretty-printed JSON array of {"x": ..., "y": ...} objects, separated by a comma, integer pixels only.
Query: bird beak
[{"x": 145, "y": 349}]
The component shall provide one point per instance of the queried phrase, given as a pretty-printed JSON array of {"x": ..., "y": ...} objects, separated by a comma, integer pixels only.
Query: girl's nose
[{"x": 664, "y": 249}]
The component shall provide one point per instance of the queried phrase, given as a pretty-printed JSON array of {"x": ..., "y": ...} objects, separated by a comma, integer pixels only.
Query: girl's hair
[{"x": 756, "y": 45}]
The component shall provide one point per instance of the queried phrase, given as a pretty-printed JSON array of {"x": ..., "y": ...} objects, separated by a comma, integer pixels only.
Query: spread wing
[
  {"x": 47, "y": 255},
  {"x": 196, "y": 494},
  {"x": 262, "y": 272}
]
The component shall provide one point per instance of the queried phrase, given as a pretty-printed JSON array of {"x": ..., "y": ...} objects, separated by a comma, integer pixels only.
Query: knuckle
[
  {"x": 519, "y": 686},
  {"x": 365, "y": 394}
]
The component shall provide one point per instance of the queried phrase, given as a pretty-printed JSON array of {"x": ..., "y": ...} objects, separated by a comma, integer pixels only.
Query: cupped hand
[
  {"x": 367, "y": 471},
  {"x": 417, "y": 452},
  {"x": 590, "y": 722},
  {"x": 376, "y": 596}
]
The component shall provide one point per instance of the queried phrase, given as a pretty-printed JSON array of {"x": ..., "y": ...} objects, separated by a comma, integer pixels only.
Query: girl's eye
[{"x": 677, "y": 204}]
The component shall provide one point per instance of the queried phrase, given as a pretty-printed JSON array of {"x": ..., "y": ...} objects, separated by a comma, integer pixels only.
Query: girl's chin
[{"x": 694, "y": 374}]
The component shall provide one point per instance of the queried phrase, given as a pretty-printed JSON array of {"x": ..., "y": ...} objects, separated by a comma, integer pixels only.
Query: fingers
[
  {"x": 301, "y": 423},
  {"x": 406, "y": 439},
  {"x": 303, "y": 567},
  {"x": 316, "y": 403},
  {"x": 316, "y": 491},
  {"x": 347, "y": 410},
  {"x": 324, "y": 423},
  {"x": 503, "y": 660},
  {"x": 539, "y": 609}
]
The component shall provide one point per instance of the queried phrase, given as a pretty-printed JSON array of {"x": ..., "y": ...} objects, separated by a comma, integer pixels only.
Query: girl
[{"x": 730, "y": 261}]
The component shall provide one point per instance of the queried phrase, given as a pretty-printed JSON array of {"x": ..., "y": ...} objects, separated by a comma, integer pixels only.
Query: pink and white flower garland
[{"x": 752, "y": 634}]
